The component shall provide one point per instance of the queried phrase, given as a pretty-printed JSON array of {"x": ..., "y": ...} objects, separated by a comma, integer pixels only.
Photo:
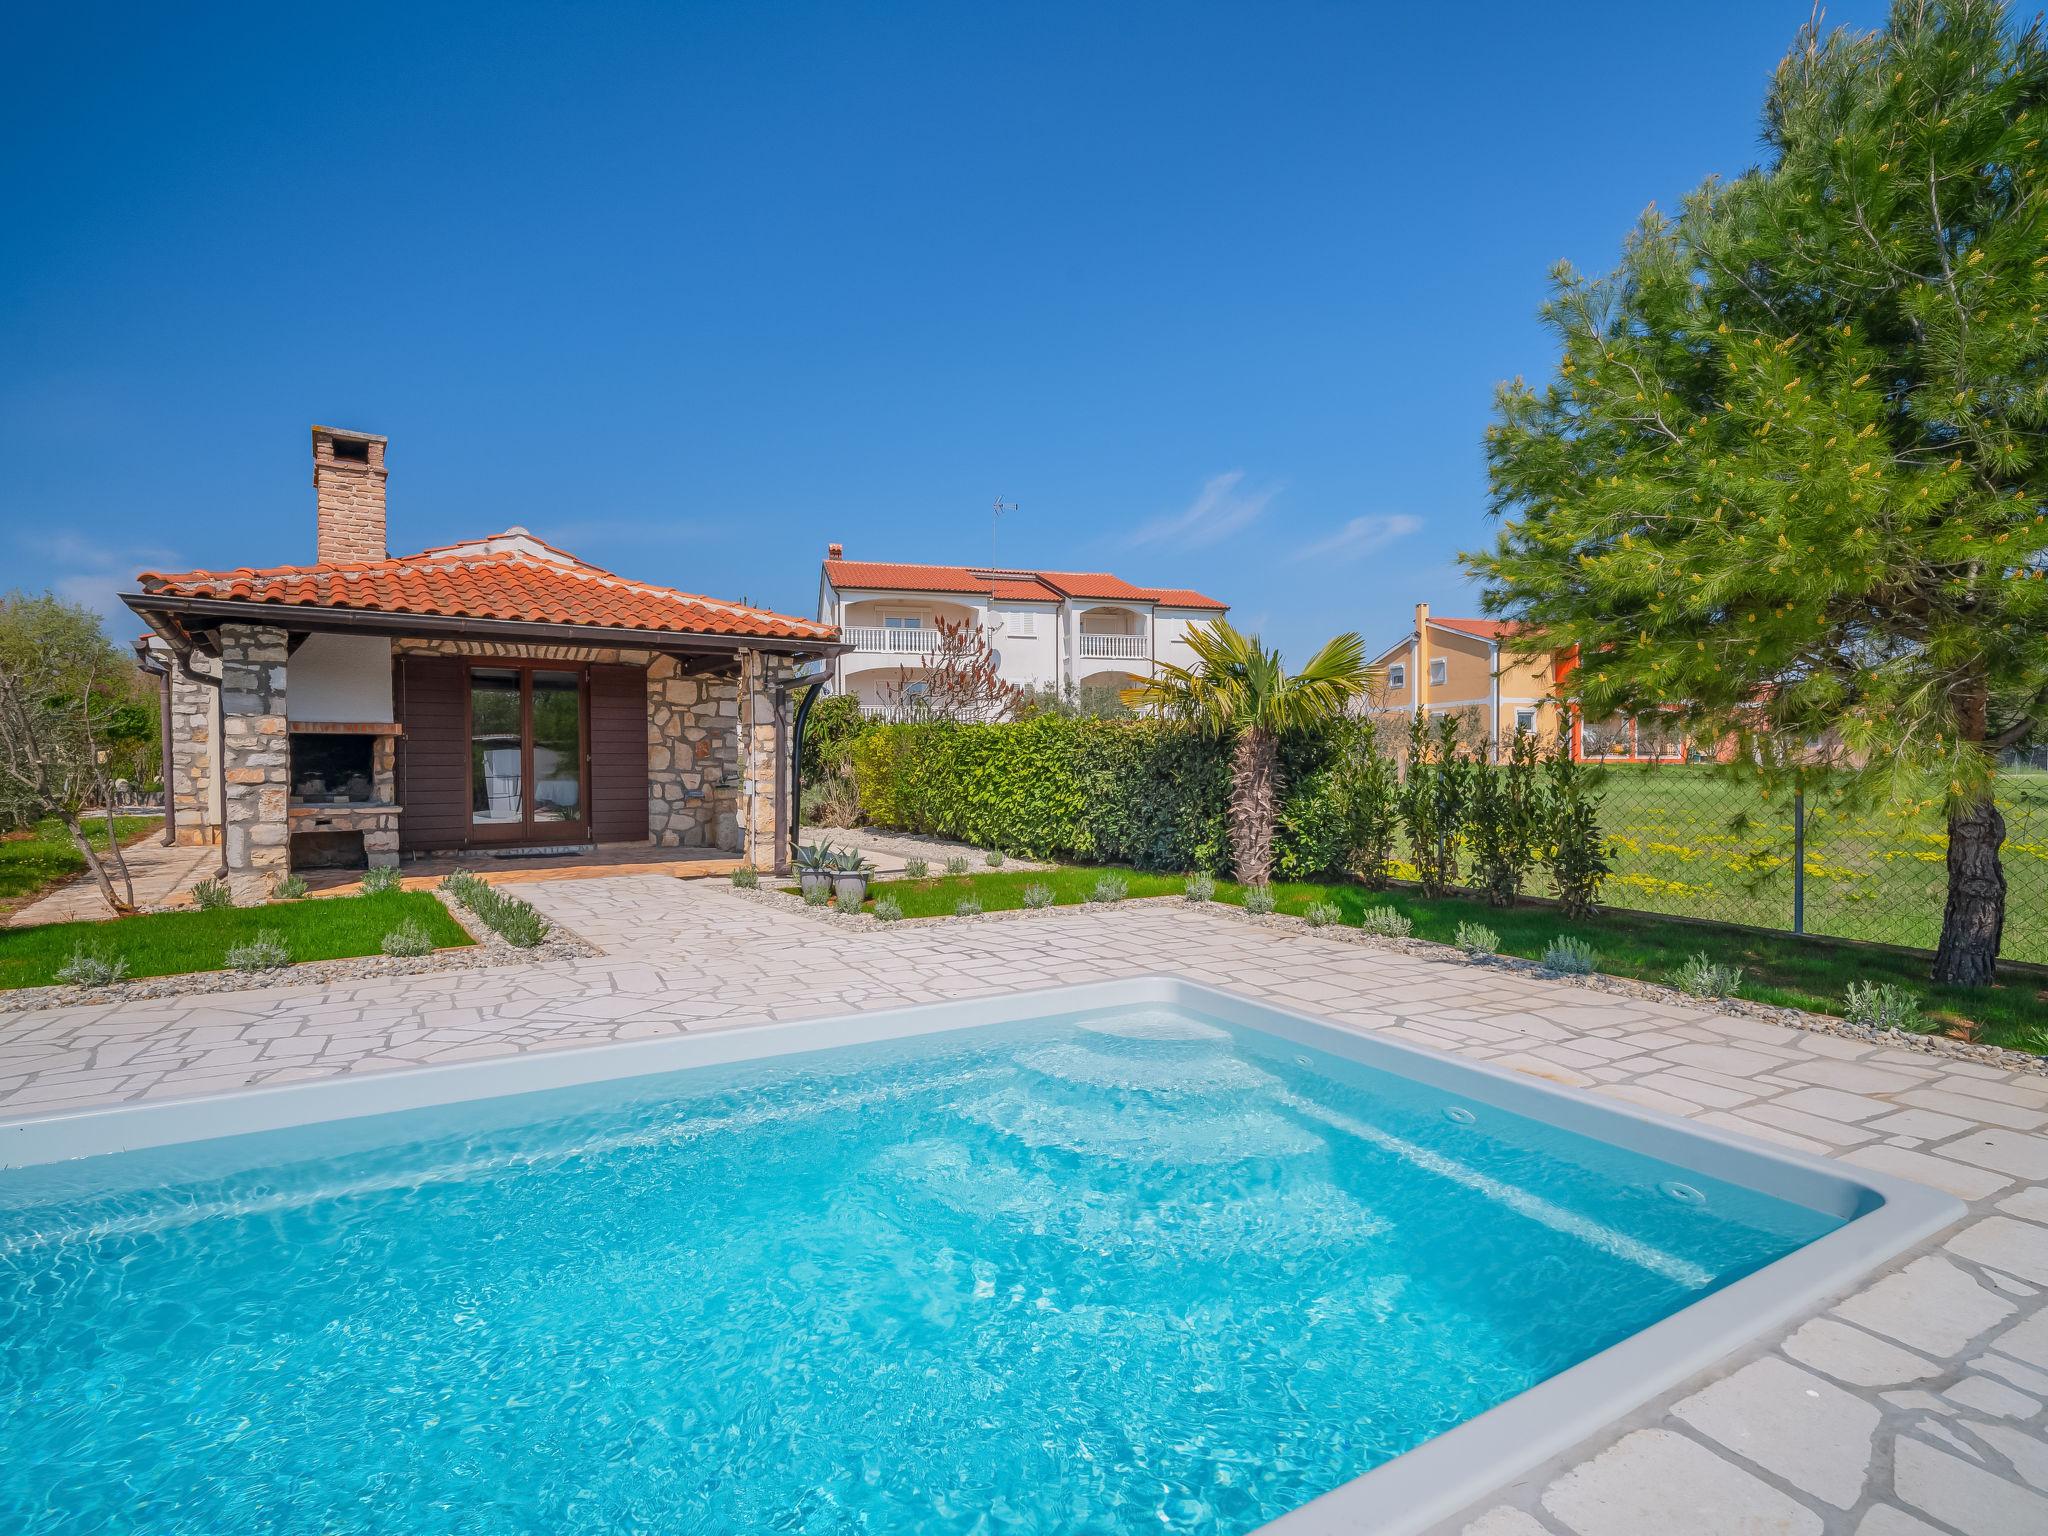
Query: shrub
[
  {"x": 408, "y": 939},
  {"x": 1199, "y": 888},
  {"x": 92, "y": 966},
  {"x": 834, "y": 724},
  {"x": 1259, "y": 900},
  {"x": 916, "y": 869},
  {"x": 1386, "y": 922},
  {"x": 956, "y": 865},
  {"x": 1476, "y": 939},
  {"x": 1577, "y": 851},
  {"x": 746, "y": 878},
  {"x": 520, "y": 925},
  {"x": 213, "y": 895},
  {"x": 1505, "y": 821},
  {"x": 1038, "y": 894},
  {"x": 1320, "y": 914},
  {"x": 1433, "y": 800},
  {"x": 1374, "y": 790},
  {"x": 266, "y": 952},
  {"x": 378, "y": 881},
  {"x": 1571, "y": 956},
  {"x": 1885, "y": 1005},
  {"x": 888, "y": 909},
  {"x": 818, "y": 896},
  {"x": 967, "y": 906},
  {"x": 995, "y": 858},
  {"x": 290, "y": 888},
  {"x": 1702, "y": 977},
  {"x": 463, "y": 887},
  {"x": 1110, "y": 889}
]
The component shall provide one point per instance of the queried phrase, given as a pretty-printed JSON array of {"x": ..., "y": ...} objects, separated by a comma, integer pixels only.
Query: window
[
  {"x": 1525, "y": 722},
  {"x": 1024, "y": 625},
  {"x": 902, "y": 621},
  {"x": 1397, "y": 676},
  {"x": 1439, "y": 671}
]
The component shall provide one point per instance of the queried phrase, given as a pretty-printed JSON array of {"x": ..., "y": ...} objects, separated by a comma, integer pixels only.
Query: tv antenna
[{"x": 995, "y": 516}]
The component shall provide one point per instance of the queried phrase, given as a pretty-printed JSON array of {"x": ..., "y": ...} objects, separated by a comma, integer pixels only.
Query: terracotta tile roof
[
  {"x": 490, "y": 578},
  {"x": 1485, "y": 629},
  {"x": 1009, "y": 585}
]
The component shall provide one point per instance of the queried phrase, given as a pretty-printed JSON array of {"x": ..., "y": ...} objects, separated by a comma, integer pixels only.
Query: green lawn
[
  {"x": 1691, "y": 842},
  {"x": 33, "y": 862},
  {"x": 172, "y": 943},
  {"x": 1777, "y": 968}
]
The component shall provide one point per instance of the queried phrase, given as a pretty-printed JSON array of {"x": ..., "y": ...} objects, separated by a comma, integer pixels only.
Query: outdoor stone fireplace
[{"x": 343, "y": 810}]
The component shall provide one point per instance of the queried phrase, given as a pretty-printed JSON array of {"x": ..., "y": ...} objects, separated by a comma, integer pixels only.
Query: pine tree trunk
[
  {"x": 1974, "y": 921},
  {"x": 1254, "y": 801}
]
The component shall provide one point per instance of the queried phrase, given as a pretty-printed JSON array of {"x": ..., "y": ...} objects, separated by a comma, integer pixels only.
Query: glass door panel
[
  {"x": 557, "y": 748},
  {"x": 497, "y": 748}
]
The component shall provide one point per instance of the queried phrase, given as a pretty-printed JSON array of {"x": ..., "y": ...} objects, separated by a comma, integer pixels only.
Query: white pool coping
[{"x": 1401, "y": 1497}]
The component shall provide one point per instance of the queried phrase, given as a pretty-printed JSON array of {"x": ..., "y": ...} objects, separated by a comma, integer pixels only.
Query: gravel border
[
  {"x": 1942, "y": 1046},
  {"x": 487, "y": 953}
]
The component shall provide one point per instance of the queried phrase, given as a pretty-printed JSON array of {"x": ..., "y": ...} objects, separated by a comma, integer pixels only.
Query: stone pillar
[
  {"x": 693, "y": 764},
  {"x": 191, "y": 786},
  {"x": 762, "y": 746},
  {"x": 255, "y": 759}
]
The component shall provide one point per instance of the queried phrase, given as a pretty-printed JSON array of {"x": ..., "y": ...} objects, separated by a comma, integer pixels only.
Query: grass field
[
  {"x": 1688, "y": 841},
  {"x": 1777, "y": 968},
  {"x": 172, "y": 943},
  {"x": 34, "y": 861}
]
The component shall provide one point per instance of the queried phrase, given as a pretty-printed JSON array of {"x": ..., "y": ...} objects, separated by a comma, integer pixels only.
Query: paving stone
[
  {"x": 1883, "y": 1520},
  {"x": 1949, "y": 1103},
  {"x": 1924, "y": 1123},
  {"x": 2025, "y": 1377},
  {"x": 1855, "y": 1076},
  {"x": 2024, "y": 1157},
  {"x": 1930, "y": 1305},
  {"x": 2027, "y": 1454},
  {"x": 1965, "y": 1496},
  {"x": 1505, "y": 1521},
  {"x": 1791, "y": 1422},
  {"x": 1832, "y": 1104},
  {"x": 1858, "y": 1358},
  {"x": 2017, "y": 1247},
  {"x": 1964, "y": 1183},
  {"x": 1992, "y": 1397},
  {"x": 2031, "y": 1203},
  {"x": 1657, "y": 1483}
]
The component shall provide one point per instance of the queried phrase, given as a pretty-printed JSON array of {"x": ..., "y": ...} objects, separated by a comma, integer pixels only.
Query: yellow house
[{"x": 1469, "y": 667}]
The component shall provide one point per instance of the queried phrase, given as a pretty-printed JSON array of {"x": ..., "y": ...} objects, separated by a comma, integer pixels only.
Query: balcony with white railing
[
  {"x": 891, "y": 641},
  {"x": 1116, "y": 647}
]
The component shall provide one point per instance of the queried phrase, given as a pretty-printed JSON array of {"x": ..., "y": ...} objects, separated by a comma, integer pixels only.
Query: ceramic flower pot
[
  {"x": 850, "y": 891},
  {"x": 809, "y": 880}
]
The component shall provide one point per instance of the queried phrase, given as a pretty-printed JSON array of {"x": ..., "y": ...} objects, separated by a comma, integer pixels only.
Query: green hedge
[{"x": 1140, "y": 793}]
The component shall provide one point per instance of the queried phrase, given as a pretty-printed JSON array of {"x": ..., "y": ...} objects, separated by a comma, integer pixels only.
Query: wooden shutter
[
  {"x": 618, "y": 754},
  {"x": 433, "y": 758}
]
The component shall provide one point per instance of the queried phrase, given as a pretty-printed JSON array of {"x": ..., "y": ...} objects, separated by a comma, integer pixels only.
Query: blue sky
[{"x": 1218, "y": 294}]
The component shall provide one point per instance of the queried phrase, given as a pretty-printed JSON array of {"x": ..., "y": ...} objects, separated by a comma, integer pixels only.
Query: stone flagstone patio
[{"x": 1913, "y": 1406}]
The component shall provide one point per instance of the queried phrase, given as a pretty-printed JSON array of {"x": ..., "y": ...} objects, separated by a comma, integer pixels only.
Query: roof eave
[{"x": 152, "y": 605}]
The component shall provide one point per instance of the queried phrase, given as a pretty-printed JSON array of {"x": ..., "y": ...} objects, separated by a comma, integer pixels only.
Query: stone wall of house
[
  {"x": 255, "y": 758},
  {"x": 693, "y": 726},
  {"x": 191, "y": 785},
  {"x": 764, "y": 729}
]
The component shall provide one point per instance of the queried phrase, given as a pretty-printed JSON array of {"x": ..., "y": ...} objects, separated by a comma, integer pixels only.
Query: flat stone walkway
[
  {"x": 161, "y": 874},
  {"x": 1913, "y": 1406}
]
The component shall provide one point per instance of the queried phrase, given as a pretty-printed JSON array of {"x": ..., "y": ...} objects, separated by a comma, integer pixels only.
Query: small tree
[
  {"x": 1506, "y": 820},
  {"x": 1240, "y": 689},
  {"x": 69, "y": 719},
  {"x": 959, "y": 681},
  {"x": 1789, "y": 477},
  {"x": 1372, "y": 789},
  {"x": 1574, "y": 848},
  {"x": 1435, "y": 794}
]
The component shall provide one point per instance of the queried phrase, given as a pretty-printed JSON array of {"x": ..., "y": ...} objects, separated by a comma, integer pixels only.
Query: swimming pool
[{"x": 1120, "y": 1258}]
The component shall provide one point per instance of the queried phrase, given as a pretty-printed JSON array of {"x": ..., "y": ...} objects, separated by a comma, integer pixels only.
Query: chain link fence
[{"x": 1690, "y": 842}]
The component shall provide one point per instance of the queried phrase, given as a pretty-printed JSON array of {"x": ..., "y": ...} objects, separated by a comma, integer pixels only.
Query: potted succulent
[
  {"x": 814, "y": 867},
  {"x": 850, "y": 871}
]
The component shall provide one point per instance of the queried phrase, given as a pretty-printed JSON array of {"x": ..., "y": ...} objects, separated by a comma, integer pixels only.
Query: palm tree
[{"x": 1239, "y": 688}]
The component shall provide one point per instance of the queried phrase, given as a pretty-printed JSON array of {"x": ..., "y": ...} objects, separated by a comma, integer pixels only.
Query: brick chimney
[
  {"x": 348, "y": 495},
  {"x": 835, "y": 551}
]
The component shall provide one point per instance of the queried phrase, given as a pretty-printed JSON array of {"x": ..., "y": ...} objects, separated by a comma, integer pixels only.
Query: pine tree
[{"x": 1789, "y": 477}]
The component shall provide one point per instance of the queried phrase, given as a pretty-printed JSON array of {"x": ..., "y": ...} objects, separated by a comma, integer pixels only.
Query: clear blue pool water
[{"x": 1113, "y": 1273}]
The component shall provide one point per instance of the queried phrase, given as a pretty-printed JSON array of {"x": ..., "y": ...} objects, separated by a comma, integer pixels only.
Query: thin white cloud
[
  {"x": 1362, "y": 536},
  {"x": 1223, "y": 507},
  {"x": 91, "y": 574}
]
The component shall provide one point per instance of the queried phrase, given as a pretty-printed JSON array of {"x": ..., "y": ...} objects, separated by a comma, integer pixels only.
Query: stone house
[{"x": 498, "y": 695}]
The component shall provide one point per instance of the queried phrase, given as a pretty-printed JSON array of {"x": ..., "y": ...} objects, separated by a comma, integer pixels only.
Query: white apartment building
[{"x": 1078, "y": 629}]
